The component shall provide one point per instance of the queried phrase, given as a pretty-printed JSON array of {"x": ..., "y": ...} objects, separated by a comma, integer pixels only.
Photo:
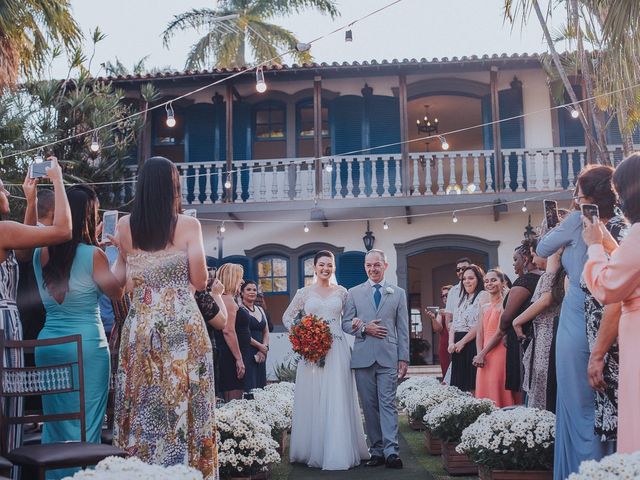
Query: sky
[{"x": 409, "y": 29}]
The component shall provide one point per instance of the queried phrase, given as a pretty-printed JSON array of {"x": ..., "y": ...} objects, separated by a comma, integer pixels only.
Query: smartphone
[
  {"x": 590, "y": 211},
  {"x": 433, "y": 310},
  {"x": 109, "y": 221},
  {"x": 39, "y": 169},
  {"x": 551, "y": 213},
  {"x": 211, "y": 277},
  {"x": 192, "y": 212}
]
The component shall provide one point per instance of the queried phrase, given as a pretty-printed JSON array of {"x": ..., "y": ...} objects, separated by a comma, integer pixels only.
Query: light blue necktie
[{"x": 377, "y": 296}]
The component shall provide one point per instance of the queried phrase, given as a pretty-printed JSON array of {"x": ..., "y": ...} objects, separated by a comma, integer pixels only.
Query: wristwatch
[{"x": 363, "y": 330}]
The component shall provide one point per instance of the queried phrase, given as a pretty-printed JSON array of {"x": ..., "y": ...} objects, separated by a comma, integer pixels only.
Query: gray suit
[{"x": 375, "y": 360}]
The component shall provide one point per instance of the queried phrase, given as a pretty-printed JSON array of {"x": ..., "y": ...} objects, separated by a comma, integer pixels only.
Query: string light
[
  {"x": 348, "y": 36},
  {"x": 524, "y": 206},
  {"x": 454, "y": 219},
  {"x": 385, "y": 225},
  {"x": 95, "y": 146},
  {"x": 329, "y": 166},
  {"x": 223, "y": 228},
  {"x": 443, "y": 142},
  {"x": 306, "y": 228},
  {"x": 261, "y": 86},
  {"x": 303, "y": 47},
  {"x": 227, "y": 183},
  {"x": 575, "y": 113},
  {"x": 171, "y": 118}
]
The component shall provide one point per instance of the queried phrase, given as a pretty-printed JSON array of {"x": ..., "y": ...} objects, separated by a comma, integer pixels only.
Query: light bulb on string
[
  {"x": 575, "y": 113},
  {"x": 348, "y": 36},
  {"x": 171, "y": 118},
  {"x": 454, "y": 219},
  {"x": 223, "y": 228},
  {"x": 261, "y": 86},
  {"x": 227, "y": 183},
  {"x": 329, "y": 166},
  {"x": 443, "y": 142},
  {"x": 95, "y": 146},
  {"x": 385, "y": 225},
  {"x": 524, "y": 206},
  {"x": 306, "y": 228}
]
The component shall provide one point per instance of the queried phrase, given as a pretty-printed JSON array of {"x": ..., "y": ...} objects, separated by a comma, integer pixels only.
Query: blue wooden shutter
[
  {"x": 241, "y": 131},
  {"x": 350, "y": 269},
  {"x": 487, "y": 117},
  {"x": 346, "y": 134},
  {"x": 511, "y": 131},
  {"x": 384, "y": 129},
  {"x": 570, "y": 129},
  {"x": 201, "y": 120}
]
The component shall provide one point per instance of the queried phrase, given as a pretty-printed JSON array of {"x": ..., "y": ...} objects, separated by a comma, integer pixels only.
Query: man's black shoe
[
  {"x": 375, "y": 461},
  {"x": 394, "y": 461}
]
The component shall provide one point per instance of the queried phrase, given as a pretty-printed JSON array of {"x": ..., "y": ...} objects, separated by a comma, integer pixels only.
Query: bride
[{"x": 327, "y": 428}]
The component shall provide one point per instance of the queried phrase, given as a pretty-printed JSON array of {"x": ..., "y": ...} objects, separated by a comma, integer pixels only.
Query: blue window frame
[
  {"x": 305, "y": 122},
  {"x": 273, "y": 274},
  {"x": 306, "y": 264},
  {"x": 270, "y": 121}
]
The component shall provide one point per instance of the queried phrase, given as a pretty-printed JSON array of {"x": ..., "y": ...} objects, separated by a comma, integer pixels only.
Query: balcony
[{"x": 380, "y": 175}]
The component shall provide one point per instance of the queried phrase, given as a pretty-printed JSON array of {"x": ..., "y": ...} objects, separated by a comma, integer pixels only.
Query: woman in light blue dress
[
  {"x": 71, "y": 278},
  {"x": 576, "y": 440}
]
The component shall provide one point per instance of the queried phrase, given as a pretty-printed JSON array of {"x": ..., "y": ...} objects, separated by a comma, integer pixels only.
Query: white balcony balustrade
[{"x": 380, "y": 175}]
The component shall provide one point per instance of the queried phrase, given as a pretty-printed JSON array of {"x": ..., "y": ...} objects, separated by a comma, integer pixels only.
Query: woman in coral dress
[
  {"x": 491, "y": 374},
  {"x": 617, "y": 279}
]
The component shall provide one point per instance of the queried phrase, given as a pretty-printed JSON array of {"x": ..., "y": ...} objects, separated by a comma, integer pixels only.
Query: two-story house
[{"x": 335, "y": 156}]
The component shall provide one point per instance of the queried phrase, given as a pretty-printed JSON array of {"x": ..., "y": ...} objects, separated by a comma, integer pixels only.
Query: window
[
  {"x": 307, "y": 269},
  {"x": 272, "y": 274},
  {"x": 306, "y": 124},
  {"x": 270, "y": 122},
  {"x": 416, "y": 323}
]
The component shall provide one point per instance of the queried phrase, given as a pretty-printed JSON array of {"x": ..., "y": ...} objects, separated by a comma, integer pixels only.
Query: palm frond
[
  {"x": 276, "y": 8},
  {"x": 196, "y": 19}
]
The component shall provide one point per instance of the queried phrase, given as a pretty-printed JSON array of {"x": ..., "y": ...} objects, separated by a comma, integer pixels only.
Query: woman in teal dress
[{"x": 71, "y": 278}]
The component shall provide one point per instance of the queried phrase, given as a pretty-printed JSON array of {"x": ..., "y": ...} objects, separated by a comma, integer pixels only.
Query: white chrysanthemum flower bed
[
  {"x": 618, "y": 465},
  {"x": 453, "y": 414},
  {"x": 245, "y": 444},
  {"x": 276, "y": 404},
  {"x": 422, "y": 400},
  {"x": 412, "y": 384},
  {"x": 134, "y": 469},
  {"x": 512, "y": 439}
]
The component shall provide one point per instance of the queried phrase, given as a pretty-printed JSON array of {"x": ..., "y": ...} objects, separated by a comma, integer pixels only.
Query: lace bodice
[{"x": 328, "y": 308}]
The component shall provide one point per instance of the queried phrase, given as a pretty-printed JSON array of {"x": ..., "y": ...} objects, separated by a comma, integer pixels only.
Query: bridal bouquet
[{"x": 311, "y": 338}]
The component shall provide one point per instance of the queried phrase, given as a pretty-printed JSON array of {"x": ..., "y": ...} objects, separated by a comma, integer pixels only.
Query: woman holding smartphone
[
  {"x": 15, "y": 236},
  {"x": 576, "y": 439}
]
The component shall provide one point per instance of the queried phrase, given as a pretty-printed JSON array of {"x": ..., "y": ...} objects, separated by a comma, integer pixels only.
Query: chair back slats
[
  {"x": 42, "y": 380},
  {"x": 29, "y": 381}
]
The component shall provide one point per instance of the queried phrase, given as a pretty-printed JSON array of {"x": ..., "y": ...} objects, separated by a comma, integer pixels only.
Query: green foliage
[
  {"x": 286, "y": 372},
  {"x": 236, "y": 25}
]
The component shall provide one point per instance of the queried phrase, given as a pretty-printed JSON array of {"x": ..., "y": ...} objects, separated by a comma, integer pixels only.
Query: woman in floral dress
[{"x": 164, "y": 406}]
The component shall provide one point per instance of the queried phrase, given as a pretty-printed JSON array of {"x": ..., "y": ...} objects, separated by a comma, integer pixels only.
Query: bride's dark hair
[{"x": 323, "y": 253}]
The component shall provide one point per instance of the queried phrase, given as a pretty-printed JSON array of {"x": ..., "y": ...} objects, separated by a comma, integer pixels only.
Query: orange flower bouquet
[{"x": 311, "y": 338}]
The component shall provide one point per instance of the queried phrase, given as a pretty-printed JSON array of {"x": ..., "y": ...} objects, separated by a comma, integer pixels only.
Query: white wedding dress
[{"x": 327, "y": 427}]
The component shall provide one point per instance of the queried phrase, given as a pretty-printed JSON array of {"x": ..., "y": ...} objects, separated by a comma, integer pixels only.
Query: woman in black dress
[
  {"x": 234, "y": 341},
  {"x": 256, "y": 376}
]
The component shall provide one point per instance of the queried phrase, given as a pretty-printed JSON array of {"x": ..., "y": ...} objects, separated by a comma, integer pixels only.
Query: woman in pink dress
[
  {"x": 617, "y": 279},
  {"x": 491, "y": 375}
]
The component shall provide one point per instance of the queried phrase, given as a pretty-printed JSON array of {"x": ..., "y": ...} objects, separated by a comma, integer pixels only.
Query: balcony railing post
[
  {"x": 476, "y": 173},
  {"x": 350, "y": 178},
  {"x": 385, "y": 177},
  {"x": 415, "y": 177},
  {"x": 310, "y": 179},
  {"x": 489, "y": 174},
  {"x": 532, "y": 175},
  {"x": 464, "y": 180},
  {"x": 545, "y": 170},
  {"x": 427, "y": 176},
  {"x": 507, "y": 171},
  {"x": 520, "y": 159},
  {"x": 557, "y": 156},
  {"x": 361, "y": 184},
  {"x": 440, "y": 175},
  {"x": 452, "y": 172}
]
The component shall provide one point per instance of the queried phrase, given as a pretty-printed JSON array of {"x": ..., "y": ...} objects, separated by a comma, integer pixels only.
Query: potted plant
[
  {"x": 423, "y": 398},
  {"x": 132, "y": 467},
  {"x": 275, "y": 402},
  {"x": 618, "y": 465},
  {"x": 447, "y": 421},
  {"x": 245, "y": 446},
  {"x": 511, "y": 444}
]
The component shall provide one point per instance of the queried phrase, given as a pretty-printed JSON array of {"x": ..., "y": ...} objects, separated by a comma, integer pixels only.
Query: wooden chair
[{"x": 52, "y": 379}]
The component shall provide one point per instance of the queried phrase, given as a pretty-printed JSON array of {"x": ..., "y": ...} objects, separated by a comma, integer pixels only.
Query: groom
[{"x": 376, "y": 313}]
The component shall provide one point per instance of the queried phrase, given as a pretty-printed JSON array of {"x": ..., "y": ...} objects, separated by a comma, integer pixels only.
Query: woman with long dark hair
[
  {"x": 165, "y": 399},
  {"x": 617, "y": 280},
  {"x": 576, "y": 440},
  {"x": 15, "y": 236},
  {"x": 462, "y": 345},
  {"x": 71, "y": 278}
]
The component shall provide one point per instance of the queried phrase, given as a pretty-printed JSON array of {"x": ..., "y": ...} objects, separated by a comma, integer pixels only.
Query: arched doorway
[{"x": 424, "y": 265}]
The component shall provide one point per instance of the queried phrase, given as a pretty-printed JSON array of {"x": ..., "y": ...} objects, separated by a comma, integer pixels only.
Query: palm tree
[
  {"x": 237, "y": 25},
  {"x": 29, "y": 31}
]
